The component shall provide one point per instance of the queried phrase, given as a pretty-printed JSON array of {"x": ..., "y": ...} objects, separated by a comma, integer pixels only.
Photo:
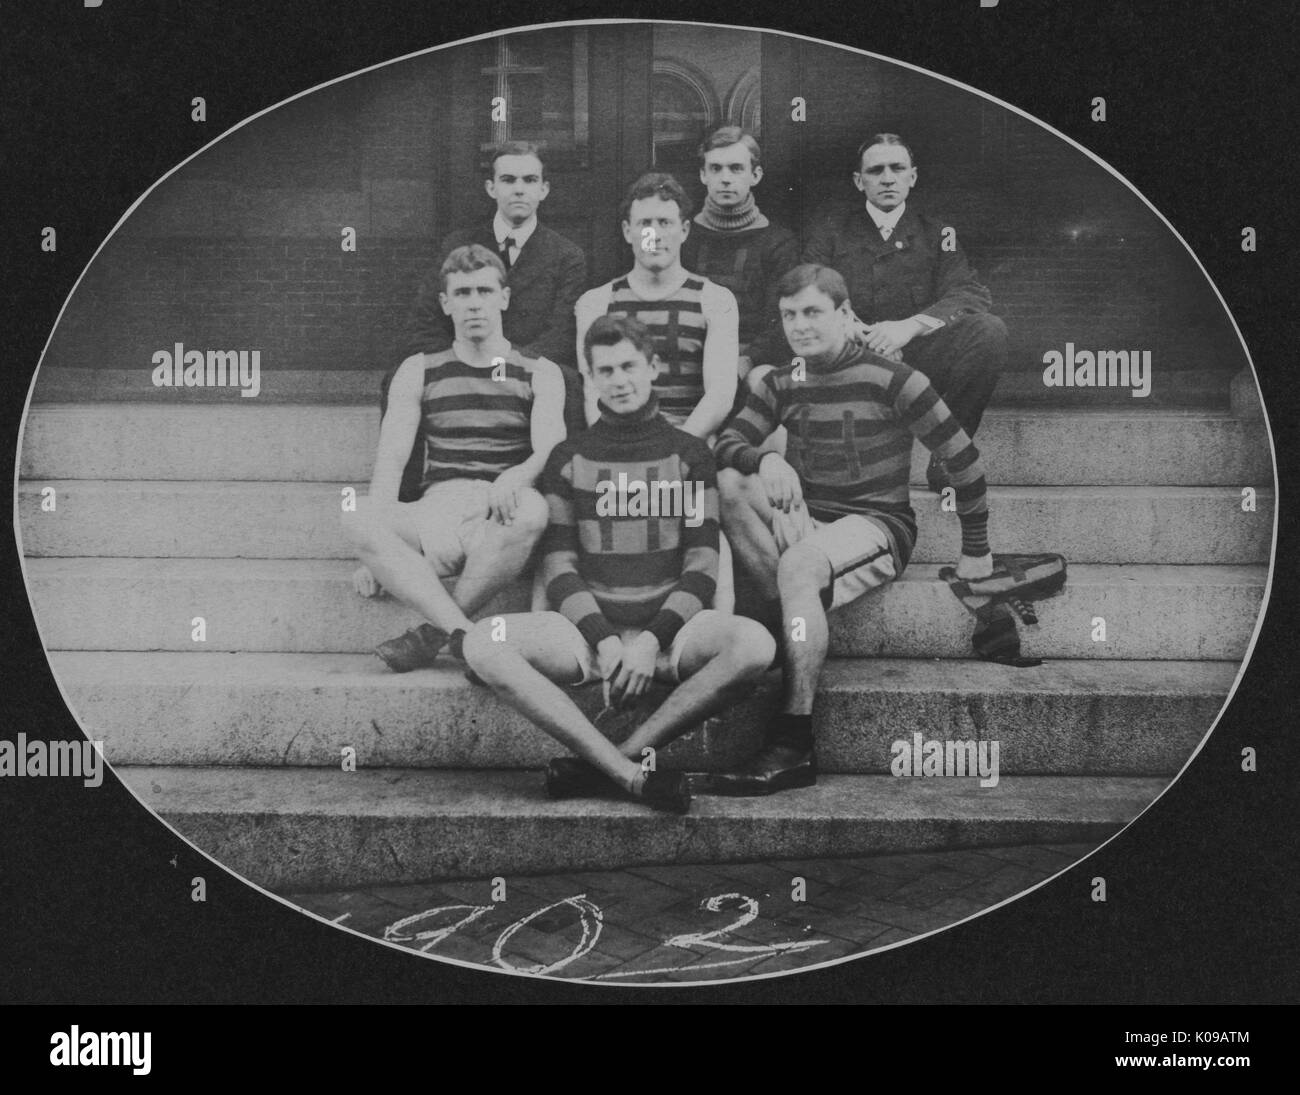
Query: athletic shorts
[
  {"x": 451, "y": 519},
  {"x": 857, "y": 547},
  {"x": 666, "y": 664}
]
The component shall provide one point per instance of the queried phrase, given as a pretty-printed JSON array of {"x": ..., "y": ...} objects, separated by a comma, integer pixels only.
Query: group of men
[{"x": 647, "y": 472}]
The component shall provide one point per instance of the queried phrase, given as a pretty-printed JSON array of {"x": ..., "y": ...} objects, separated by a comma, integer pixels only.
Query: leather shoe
[
  {"x": 416, "y": 649},
  {"x": 667, "y": 791},
  {"x": 772, "y": 768},
  {"x": 569, "y": 777}
]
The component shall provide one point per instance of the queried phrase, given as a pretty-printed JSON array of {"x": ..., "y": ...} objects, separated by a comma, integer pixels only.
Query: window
[{"x": 543, "y": 79}]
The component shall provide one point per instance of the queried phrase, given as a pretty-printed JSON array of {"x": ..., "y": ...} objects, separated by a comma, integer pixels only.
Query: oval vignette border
[{"x": 522, "y": 29}]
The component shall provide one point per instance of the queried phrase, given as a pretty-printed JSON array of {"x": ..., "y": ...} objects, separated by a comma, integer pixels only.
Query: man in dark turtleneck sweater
[
  {"x": 630, "y": 563},
  {"x": 733, "y": 243}
]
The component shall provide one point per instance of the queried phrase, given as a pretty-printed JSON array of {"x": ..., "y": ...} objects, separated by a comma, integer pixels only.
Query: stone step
[
  {"x": 337, "y": 443},
  {"x": 1066, "y": 717},
  {"x": 270, "y": 520},
  {"x": 292, "y": 605},
  {"x": 305, "y": 828},
  {"x": 1172, "y": 385}
]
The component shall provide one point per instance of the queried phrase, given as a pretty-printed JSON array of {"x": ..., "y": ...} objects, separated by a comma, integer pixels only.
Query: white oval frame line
[{"x": 1245, "y": 661}]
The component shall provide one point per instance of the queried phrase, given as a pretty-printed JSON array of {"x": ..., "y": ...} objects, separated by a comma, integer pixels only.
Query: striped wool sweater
[
  {"x": 850, "y": 426},
  {"x": 642, "y": 557},
  {"x": 473, "y": 426}
]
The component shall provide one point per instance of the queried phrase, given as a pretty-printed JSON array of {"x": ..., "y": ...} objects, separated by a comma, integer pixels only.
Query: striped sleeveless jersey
[
  {"x": 678, "y": 327},
  {"x": 472, "y": 426}
]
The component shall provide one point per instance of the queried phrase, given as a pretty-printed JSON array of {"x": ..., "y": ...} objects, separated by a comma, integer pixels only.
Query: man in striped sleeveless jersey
[
  {"x": 830, "y": 520},
  {"x": 487, "y": 418},
  {"x": 694, "y": 323}
]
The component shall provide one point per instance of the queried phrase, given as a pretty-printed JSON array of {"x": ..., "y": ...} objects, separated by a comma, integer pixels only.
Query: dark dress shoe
[
  {"x": 569, "y": 777},
  {"x": 772, "y": 768},
  {"x": 417, "y": 649},
  {"x": 667, "y": 791}
]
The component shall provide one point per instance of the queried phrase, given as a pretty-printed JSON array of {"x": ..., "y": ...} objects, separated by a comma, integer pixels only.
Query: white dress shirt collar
[
  {"x": 520, "y": 233},
  {"x": 886, "y": 220}
]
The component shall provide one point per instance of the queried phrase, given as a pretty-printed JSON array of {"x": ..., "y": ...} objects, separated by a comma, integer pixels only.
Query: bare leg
[
  {"x": 503, "y": 553},
  {"x": 717, "y": 668},
  {"x": 537, "y": 651},
  {"x": 802, "y": 574},
  {"x": 746, "y": 520},
  {"x": 387, "y": 542},
  {"x": 724, "y": 598}
]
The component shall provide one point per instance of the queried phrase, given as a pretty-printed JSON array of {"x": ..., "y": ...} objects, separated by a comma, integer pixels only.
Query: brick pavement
[{"x": 677, "y": 924}]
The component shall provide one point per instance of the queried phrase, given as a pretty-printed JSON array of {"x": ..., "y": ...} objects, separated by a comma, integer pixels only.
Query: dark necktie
[{"x": 504, "y": 250}]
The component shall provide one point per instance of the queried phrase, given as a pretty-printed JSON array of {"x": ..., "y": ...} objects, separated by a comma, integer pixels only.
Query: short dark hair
[
  {"x": 610, "y": 330},
  {"x": 467, "y": 259},
  {"x": 828, "y": 281},
  {"x": 656, "y": 184},
  {"x": 728, "y": 135},
  {"x": 882, "y": 138},
  {"x": 515, "y": 148}
]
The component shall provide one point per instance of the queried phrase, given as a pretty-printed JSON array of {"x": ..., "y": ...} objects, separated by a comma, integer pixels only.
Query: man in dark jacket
[
  {"x": 911, "y": 285},
  {"x": 546, "y": 272}
]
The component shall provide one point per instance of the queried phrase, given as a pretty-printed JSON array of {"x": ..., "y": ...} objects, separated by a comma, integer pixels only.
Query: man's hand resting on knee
[
  {"x": 503, "y": 498},
  {"x": 780, "y": 482}
]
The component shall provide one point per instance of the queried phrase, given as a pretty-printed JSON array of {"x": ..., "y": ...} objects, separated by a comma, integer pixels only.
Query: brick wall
[
  {"x": 240, "y": 249},
  {"x": 304, "y": 303}
]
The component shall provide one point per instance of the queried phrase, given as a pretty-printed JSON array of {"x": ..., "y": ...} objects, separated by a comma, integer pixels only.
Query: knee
[
  {"x": 733, "y": 488},
  {"x": 360, "y": 525},
  {"x": 531, "y": 515},
  {"x": 802, "y": 568},
  {"x": 483, "y": 654},
  {"x": 751, "y": 649},
  {"x": 988, "y": 333}
]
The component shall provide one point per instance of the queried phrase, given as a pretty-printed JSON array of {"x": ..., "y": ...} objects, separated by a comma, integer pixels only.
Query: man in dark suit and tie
[
  {"x": 911, "y": 286},
  {"x": 546, "y": 273}
]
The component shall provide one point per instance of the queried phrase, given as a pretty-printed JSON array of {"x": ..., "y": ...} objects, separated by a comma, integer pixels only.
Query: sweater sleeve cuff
[
  {"x": 595, "y": 628},
  {"x": 664, "y": 627},
  {"x": 746, "y": 460}
]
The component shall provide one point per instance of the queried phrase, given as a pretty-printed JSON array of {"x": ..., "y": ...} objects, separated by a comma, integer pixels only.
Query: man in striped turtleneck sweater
[
  {"x": 630, "y": 561},
  {"x": 830, "y": 520}
]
